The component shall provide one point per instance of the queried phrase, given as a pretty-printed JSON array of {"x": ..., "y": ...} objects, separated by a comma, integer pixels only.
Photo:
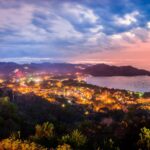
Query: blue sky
[{"x": 75, "y": 31}]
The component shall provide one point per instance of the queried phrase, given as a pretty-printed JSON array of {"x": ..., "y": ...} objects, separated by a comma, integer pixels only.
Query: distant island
[
  {"x": 107, "y": 70},
  {"x": 63, "y": 68}
]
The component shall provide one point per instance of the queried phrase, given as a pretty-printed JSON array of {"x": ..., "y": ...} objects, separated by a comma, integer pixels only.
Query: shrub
[
  {"x": 11, "y": 144},
  {"x": 63, "y": 147}
]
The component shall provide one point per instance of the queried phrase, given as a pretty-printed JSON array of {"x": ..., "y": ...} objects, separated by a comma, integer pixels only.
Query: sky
[{"x": 115, "y": 32}]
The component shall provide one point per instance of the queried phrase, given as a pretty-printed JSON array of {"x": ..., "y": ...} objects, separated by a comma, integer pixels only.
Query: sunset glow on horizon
[{"x": 76, "y": 31}]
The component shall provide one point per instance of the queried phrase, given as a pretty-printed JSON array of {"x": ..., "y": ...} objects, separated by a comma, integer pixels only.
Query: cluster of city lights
[{"x": 51, "y": 89}]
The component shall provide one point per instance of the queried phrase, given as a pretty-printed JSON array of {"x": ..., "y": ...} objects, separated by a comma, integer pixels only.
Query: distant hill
[
  {"x": 9, "y": 68},
  {"x": 95, "y": 70},
  {"x": 107, "y": 70}
]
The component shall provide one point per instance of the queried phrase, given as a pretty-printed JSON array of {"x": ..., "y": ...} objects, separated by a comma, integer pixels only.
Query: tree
[
  {"x": 7, "y": 109},
  {"x": 46, "y": 130},
  {"x": 76, "y": 139},
  {"x": 44, "y": 134},
  {"x": 144, "y": 141},
  {"x": 9, "y": 117}
]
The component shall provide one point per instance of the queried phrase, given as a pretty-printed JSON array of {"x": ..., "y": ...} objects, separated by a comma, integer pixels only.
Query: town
[{"x": 74, "y": 90}]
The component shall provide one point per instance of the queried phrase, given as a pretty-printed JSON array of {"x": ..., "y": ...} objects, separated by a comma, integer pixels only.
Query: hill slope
[
  {"x": 107, "y": 70},
  {"x": 95, "y": 70}
]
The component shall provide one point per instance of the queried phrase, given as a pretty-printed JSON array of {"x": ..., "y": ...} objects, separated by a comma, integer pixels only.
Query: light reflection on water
[{"x": 136, "y": 83}]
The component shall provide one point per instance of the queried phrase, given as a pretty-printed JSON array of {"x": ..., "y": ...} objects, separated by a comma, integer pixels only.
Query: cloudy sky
[{"x": 77, "y": 31}]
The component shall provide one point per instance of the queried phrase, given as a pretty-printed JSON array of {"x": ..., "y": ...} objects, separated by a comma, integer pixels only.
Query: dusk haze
[{"x": 74, "y": 74}]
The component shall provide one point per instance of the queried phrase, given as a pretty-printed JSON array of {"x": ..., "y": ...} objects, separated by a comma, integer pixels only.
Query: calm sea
[{"x": 136, "y": 83}]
